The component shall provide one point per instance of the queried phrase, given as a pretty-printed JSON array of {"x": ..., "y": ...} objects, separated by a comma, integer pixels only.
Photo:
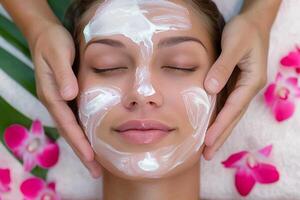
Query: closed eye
[
  {"x": 108, "y": 70},
  {"x": 191, "y": 69}
]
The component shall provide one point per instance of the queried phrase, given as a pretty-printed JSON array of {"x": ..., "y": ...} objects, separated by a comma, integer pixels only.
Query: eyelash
[
  {"x": 192, "y": 69},
  {"x": 107, "y": 70}
]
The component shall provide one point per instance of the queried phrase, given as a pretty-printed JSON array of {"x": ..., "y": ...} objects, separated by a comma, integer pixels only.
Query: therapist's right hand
[{"x": 53, "y": 54}]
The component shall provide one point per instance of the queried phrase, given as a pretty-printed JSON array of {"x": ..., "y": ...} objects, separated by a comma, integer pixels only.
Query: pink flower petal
[
  {"x": 32, "y": 187},
  {"x": 283, "y": 109},
  {"x": 5, "y": 176},
  {"x": 49, "y": 156},
  {"x": 29, "y": 162},
  {"x": 51, "y": 185},
  {"x": 266, "y": 151},
  {"x": 5, "y": 180},
  {"x": 279, "y": 77},
  {"x": 269, "y": 94},
  {"x": 297, "y": 92},
  {"x": 292, "y": 81},
  {"x": 244, "y": 182},
  {"x": 292, "y": 59},
  {"x": 231, "y": 161},
  {"x": 265, "y": 173},
  {"x": 14, "y": 136},
  {"x": 37, "y": 128}
]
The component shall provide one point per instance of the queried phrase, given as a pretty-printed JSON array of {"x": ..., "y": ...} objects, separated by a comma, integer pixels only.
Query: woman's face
[{"x": 150, "y": 76}]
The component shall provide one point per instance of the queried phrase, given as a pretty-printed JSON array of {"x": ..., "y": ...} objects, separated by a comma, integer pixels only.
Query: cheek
[
  {"x": 179, "y": 81},
  {"x": 174, "y": 105},
  {"x": 84, "y": 82}
]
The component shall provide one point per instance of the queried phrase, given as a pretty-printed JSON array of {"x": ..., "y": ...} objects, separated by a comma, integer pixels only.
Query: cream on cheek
[
  {"x": 94, "y": 104},
  {"x": 129, "y": 19}
]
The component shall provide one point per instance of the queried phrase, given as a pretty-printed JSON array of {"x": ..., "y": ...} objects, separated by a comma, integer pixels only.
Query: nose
[{"x": 133, "y": 100}]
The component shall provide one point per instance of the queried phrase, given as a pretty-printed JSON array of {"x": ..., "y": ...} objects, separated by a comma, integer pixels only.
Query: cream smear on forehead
[{"x": 129, "y": 18}]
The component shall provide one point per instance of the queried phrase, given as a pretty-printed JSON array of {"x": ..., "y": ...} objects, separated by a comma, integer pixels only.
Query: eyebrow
[
  {"x": 109, "y": 42},
  {"x": 167, "y": 42},
  {"x": 171, "y": 41}
]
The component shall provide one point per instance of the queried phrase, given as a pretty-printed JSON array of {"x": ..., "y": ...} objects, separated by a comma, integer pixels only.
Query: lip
[{"x": 143, "y": 131}]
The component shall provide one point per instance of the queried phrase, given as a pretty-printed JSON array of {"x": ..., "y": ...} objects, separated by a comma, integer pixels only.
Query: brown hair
[{"x": 206, "y": 8}]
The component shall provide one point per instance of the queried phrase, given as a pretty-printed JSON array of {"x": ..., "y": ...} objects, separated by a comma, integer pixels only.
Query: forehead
[
  {"x": 129, "y": 17},
  {"x": 144, "y": 21}
]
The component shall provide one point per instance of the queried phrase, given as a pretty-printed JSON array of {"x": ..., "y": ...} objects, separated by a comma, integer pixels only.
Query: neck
[{"x": 178, "y": 187}]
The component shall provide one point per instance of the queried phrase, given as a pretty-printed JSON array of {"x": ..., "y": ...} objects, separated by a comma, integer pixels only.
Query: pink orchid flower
[
  {"x": 250, "y": 169},
  {"x": 280, "y": 96},
  {"x": 36, "y": 188},
  {"x": 292, "y": 60},
  {"x": 33, "y": 146},
  {"x": 4, "y": 180}
]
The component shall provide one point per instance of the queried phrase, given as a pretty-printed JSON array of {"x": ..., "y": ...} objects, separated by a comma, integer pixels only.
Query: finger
[
  {"x": 234, "y": 106},
  {"x": 223, "y": 67},
  {"x": 209, "y": 151},
  {"x": 74, "y": 135},
  {"x": 70, "y": 129},
  {"x": 61, "y": 66},
  {"x": 93, "y": 166}
]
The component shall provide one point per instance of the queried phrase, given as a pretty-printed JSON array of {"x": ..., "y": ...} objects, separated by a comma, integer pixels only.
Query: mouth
[{"x": 143, "y": 132}]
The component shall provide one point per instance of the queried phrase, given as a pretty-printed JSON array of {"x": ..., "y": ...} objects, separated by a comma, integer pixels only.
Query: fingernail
[
  {"x": 213, "y": 85},
  {"x": 95, "y": 175},
  {"x": 211, "y": 155},
  {"x": 208, "y": 157}
]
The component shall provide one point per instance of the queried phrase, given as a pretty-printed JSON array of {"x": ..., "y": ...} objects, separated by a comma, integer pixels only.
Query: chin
[{"x": 176, "y": 171}]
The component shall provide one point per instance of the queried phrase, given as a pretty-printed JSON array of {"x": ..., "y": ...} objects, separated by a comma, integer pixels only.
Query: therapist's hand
[
  {"x": 53, "y": 55},
  {"x": 245, "y": 46}
]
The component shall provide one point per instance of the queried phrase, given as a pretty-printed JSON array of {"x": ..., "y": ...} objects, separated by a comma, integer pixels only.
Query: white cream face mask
[{"x": 129, "y": 18}]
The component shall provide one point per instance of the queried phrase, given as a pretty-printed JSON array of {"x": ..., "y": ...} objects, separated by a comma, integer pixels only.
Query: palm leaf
[
  {"x": 11, "y": 33},
  {"x": 18, "y": 71}
]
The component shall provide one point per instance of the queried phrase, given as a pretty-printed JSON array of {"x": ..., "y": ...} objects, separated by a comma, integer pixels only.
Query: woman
[{"x": 142, "y": 102}]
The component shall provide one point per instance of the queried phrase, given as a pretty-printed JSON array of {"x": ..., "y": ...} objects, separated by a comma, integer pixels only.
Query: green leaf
[
  {"x": 19, "y": 71},
  {"x": 10, "y": 32},
  {"x": 59, "y": 7},
  {"x": 40, "y": 172}
]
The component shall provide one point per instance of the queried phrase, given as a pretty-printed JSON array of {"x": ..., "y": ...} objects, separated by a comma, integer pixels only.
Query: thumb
[
  {"x": 220, "y": 71},
  {"x": 64, "y": 75}
]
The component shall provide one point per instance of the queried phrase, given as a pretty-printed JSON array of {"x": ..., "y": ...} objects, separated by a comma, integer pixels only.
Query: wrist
[
  {"x": 261, "y": 28},
  {"x": 32, "y": 18},
  {"x": 261, "y": 14},
  {"x": 35, "y": 30}
]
